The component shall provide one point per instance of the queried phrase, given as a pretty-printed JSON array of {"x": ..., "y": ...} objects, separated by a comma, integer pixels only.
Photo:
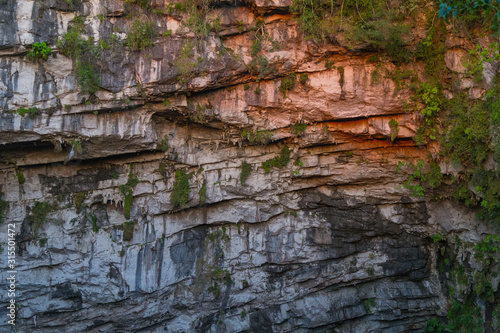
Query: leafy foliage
[
  {"x": 360, "y": 21},
  {"x": 186, "y": 63},
  {"x": 468, "y": 136},
  {"x": 141, "y": 35},
  {"x": 32, "y": 112},
  {"x": 39, "y": 51},
  {"x": 246, "y": 170},
  {"x": 259, "y": 137},
  {"x": 394, "y": 126},
  {"x": 287, "y": 83},
  {"x": 3, "y": 207},
  {"x": 473, "y": 11},
  {"x": 128, "y": 230},
  {"x": 203, "y": 192},
  {"x": 39, "y": 215},
  {"x": 420, "y": 175},
  {"x": 298, "y": 128},
  {"x": 127, "y": 190},
  {"x": 180, "y": 190},
  {"x": 279, "y": 161},
  {"x": 303, "y": 78},
  {"x": 84, "y": 52}
]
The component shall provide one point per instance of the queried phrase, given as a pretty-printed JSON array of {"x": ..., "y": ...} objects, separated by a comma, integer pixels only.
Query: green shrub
[
  {"x": 20, "y": 178},
  {"x": 203, "y": 193},
  {"x": 246, "y": 170},
  {"x": 255, "y": 47},
  {"x": 435, "y": 326},
  {"x": 142, "y": 3},
  {"x": 417, "y": 176},
  {"x": 39, "y": 51},
  {"x": 141, "y": 35},
  {"x": 329, "y": 64},
  {"x": 260, "y": 66},
  {"x": 3, "y": 207},
  {"x": 180, "y": 190},
  {"x": 437, "y": 237},
  {"x": 259, "y": 137},
  {"x": 369, "y": 304},
  {"x": 473, "y": 12},
  {"x": 432, "y": 50},
  {"x": 72, "y": 43},
  {"x": 85, "y": 54},
  {"x": 32, "y": 112},
  {"x": 95, "y": 227},
  {"x": 298, "y": 128},
  {"x": 216, "y": 24},
  {"x": 279, "y": 161},
  {"x": 287, "y": 83},
  {"x": 87, "y": 77},
  {"x": 39, "y": 215},
  {"x": 127, "y": 191},
  {"x": 78, "y": 199},
  {"x": 487, "y": 249},
  {"x": 303, "y": 78},
  {"x": 76, "y": 146},
  {"x": 164, "y": 144},
  {"x": 360, "y": 21},
  {"x": 394, "y": 126},
  {"x": 386, "y": 36},
  {"x": 468, "y": 136},
  {"x": 128, "y": 230},
  {"x": 185, "y": 63}
]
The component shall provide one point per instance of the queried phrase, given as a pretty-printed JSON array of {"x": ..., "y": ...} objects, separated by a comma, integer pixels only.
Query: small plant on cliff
[
  {"x": 3, "y": 207},
  {"x": 369, "y": 304},
  {"x": 32, "y": 112},
  {"x": 39, "y": 51},
  {"x": 84, "y": 52},
  {"x": 142, "y": 3},
  {"x": 298, "y": 128},
  {"x": 127, "y": 191},
  {"x": 185, "y": 63},
  {"x": 78, "y": 199},
  {"x": 303, "y": 78},
  {"x": 394, "y": 126},
  {"x": 39, "y": 215},
  {"x": 203, "y": 193},
  {"x": 418, "y": 176},
  {"x": 287, "y": 83},
  {"x": 128, "y": 230},
  {"x": 259, "y": 137},
  {"x": 20, "y": 178},
  {"x": 164, "y": 144},
  {"x": 141, "y": 35},
  {"x": 486, "y": 250},
  {"x": 95, "y": 227},
  {"x": 246, "y": 170},
  {"x": 436, "y": 238},
  {"x": 472, "y": 12},
  {"x": 180, "y": 190},
  {"x": 76, "y": 146},
  {"x": 279, "y": 161}
]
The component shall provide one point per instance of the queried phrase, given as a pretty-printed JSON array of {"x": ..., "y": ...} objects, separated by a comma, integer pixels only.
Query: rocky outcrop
[{"x": 331, "y": 242}]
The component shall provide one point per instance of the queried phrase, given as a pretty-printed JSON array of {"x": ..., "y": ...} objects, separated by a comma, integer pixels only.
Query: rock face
[{"x": 330, "y": 242}]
